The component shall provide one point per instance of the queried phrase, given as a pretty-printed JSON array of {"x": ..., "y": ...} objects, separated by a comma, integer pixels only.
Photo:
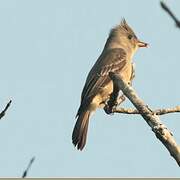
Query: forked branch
[{"x": 153, "y": 120}]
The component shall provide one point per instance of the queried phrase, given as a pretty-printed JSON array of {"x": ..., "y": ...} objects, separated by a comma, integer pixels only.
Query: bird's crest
[{"x": 123, "y": 26}]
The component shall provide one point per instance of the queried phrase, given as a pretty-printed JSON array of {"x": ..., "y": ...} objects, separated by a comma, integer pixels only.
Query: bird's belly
[
  {"x": 126, "y": 73},
  {"x": 104, "y": 92},
  {"x": 103, "y": 95}
]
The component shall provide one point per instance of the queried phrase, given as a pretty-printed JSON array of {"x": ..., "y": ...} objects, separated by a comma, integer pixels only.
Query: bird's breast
[
  {"x": 126, "y": 72},
  {"x": 104, "y": 92}
]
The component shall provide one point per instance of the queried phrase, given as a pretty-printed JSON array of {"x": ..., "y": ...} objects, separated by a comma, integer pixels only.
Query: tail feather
[{"x": 80, "y": 130}]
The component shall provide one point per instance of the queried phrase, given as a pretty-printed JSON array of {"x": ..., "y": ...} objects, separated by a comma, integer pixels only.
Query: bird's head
[{"x": 123, "y": 36}]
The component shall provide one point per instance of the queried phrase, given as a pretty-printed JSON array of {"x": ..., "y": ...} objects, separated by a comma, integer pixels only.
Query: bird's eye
[{"x": 130, "y": 36}]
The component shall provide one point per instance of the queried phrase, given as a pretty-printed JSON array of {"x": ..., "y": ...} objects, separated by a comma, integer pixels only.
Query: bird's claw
[{"x": 110, "y": 108}]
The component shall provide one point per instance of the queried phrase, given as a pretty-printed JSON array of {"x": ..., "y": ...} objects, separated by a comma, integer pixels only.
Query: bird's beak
[{"x": 142, "y": 44}]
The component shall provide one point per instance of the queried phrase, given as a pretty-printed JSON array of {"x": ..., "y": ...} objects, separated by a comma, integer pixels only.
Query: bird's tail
[{"x": 79, "y": 134}]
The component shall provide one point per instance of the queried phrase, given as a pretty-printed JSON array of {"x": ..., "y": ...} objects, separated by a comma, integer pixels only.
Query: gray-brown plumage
[{"x": 116, "y": 57}]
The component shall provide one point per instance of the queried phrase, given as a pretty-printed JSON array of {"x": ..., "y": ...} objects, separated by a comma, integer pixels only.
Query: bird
[{"x": 116, "y": 57}]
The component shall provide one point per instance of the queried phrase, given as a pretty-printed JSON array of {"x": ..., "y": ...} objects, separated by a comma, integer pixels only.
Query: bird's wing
[{"x": 110, "y": 61}]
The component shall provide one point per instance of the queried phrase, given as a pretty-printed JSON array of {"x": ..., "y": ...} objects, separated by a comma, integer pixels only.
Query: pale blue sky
[{"x": 46, "y": 51}]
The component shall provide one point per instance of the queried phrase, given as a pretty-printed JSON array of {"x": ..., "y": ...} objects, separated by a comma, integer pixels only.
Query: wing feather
[{"x": 110, "y": 61}]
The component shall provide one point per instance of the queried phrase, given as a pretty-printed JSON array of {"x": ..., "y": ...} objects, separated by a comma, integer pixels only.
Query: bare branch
[
  {"x": 5, "y": 109},
  {"x": 166, "y": 111},
  {"x": 157, "y": 111},
  {"x": 27, "y": 169},
  {"x": 160, "y": 130},
  {"x": 166, "y": 8}
]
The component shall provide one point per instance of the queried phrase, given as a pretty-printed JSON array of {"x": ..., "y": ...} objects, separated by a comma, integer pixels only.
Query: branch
[
  {"x": 160, "y": 130},
  {"x": 157, "y": 111},
  {"x": 27, "y": 169},
  {"x": 5, "y": 109},
  {"x": 166, "y": 8}
]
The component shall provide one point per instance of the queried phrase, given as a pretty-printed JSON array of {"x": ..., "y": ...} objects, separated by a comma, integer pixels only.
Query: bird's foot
[
  {"x": 111, "y": 105},
  {"x": 109, "y": 108}
]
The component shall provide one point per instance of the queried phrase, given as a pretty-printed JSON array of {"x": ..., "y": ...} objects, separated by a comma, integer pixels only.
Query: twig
[
  {"x": 157, "y": 111},
  {"x": 27, "y": 169},
  {"x": 5, "y": 109},
  {"x": 160, "y": 130},
  {"x": 166, "y": 8}
]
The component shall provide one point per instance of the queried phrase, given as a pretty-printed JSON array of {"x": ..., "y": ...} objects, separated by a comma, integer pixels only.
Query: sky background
[{"x": 46, "y": 51}]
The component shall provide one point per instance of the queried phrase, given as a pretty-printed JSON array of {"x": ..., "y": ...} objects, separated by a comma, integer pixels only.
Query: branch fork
[{"x": 151, "y": 117}]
